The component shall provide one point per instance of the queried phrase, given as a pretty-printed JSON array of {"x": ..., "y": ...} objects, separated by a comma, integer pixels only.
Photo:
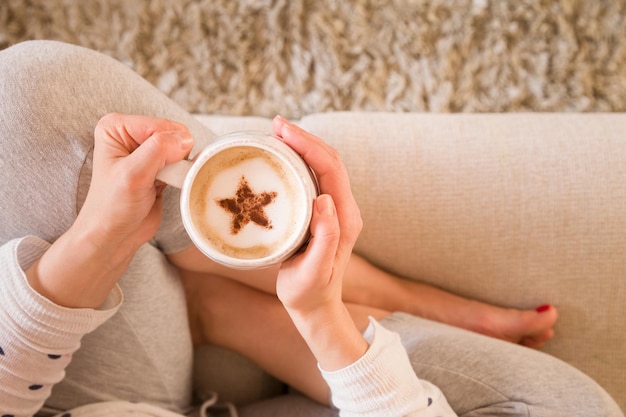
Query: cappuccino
[{"x": 250, "y": 202}]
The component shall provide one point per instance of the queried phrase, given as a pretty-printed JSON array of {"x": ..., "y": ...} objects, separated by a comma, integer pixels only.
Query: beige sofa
[{"x": 513, "y": 209}]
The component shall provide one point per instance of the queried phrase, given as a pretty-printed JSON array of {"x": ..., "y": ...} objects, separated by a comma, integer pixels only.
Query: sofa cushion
[{"x": 512, "y": 209}]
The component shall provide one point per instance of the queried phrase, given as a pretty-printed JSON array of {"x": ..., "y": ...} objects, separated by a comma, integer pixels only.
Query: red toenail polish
[{"x": 543, "y": 308}]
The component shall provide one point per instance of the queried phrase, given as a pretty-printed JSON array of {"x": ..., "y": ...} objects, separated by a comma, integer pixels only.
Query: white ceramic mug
[{"x": 246, "y": 199}]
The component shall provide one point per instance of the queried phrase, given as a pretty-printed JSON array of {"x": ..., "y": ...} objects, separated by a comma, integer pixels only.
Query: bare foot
[{"x": 532, "y": 328}]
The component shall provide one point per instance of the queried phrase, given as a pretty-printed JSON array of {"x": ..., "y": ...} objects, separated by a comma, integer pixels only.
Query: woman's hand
[
  {"x": 121, "y": 212},
  {"x": 310, "y": 284},
  {"x": 124, "y": 199}
]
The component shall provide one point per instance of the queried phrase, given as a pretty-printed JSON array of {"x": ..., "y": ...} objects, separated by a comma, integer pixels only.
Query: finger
[
  {"x": 318, "y": 260},
  {"x": 325, "y": 230},
  {"x": 130, "y": 131},
  {"x": 320, "y": 156},
  {"x": 331, "y": 173},
  {"x": 323, "y": 159},
  {"x": 314, "y": 268},
  {"x": 155, "y": 152}
]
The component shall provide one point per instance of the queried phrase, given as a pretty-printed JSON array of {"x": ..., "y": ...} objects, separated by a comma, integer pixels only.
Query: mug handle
[{"x": 174, "y": 174}]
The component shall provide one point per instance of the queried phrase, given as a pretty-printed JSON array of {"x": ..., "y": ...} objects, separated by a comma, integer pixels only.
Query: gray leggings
[{"x": 53, "y": 94}]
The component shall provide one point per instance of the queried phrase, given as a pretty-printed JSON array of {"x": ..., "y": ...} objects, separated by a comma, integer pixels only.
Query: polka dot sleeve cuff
[{"x": 37, "y": 337}]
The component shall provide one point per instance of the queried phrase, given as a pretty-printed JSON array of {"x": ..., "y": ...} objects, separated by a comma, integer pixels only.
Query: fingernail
[
  {"x": 543, "y": 308},
  {"x": 285, "y": 129},
  {"x": 325, "y": 205},
  {"x": 185, "y": 140}
]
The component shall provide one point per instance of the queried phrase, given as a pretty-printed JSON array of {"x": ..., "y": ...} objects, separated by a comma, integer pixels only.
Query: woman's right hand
[
  {"x": 124, "y": 199},
  {"x": 121, "y": 212}
]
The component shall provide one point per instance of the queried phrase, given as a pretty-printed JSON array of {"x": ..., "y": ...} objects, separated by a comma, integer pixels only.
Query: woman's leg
[
  {"x": 483, "y": 376},
  {"x": 53, "y": 95},
  {"x": 367, "y": 285},
  {"x": 479, "y": 375},
  {"x": 254, "y": 324}
]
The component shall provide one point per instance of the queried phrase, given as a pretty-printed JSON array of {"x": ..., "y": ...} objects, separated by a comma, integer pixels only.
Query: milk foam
[
  {"x": 263, "y": 173},
  {"x": 260, "y": 178}
]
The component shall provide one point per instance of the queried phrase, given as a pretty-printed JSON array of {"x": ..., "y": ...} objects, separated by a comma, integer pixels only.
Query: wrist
[
  {"x": 331, "y": 335},
  {"x": 79, "y": 269}
]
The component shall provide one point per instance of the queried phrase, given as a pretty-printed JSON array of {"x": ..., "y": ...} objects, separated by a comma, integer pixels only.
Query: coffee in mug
[{"x": 247, "y": 200}]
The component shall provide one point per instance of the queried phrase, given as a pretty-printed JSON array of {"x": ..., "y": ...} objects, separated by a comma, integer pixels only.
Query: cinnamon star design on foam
[{"x": 247, "y": 207}]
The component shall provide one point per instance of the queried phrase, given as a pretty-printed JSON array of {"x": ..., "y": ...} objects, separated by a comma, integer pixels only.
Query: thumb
[
  {"x": 321, "y": 251},
  {"x": 159, "y": 149}
]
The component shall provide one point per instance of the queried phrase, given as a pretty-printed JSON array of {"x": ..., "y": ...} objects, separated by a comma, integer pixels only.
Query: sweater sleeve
[
  {"x": 382, "y": 382},
  {"x": 37, "y": 337}
]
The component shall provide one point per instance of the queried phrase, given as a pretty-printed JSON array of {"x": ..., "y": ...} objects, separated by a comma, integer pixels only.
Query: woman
[{"x": 84, "y": 224}]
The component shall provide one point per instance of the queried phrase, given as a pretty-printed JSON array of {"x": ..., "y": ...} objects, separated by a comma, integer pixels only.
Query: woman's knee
[
  {"x": 46, "y": 140},
  {"x": 49, "y": 92},
  {"x": 33, "y": 69}
]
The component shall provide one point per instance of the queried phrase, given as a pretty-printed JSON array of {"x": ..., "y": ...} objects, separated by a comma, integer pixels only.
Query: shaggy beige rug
[{"x": 293, "y": 57}]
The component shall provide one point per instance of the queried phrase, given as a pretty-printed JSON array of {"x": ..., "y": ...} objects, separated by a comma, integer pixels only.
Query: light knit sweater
[{"x": 38, "y": 338}]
